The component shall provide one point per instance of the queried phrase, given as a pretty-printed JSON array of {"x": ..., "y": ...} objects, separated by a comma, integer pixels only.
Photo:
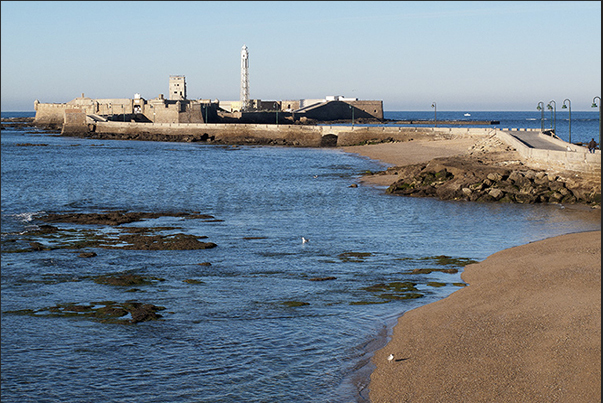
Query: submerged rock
[
  {"x": 125, "y": 238},
  {"x": 104, "y": 312},
  {"x": 295, "y": 303},
  {"x": 115, "y": 217},
  {"x": 125, "y": 279}
]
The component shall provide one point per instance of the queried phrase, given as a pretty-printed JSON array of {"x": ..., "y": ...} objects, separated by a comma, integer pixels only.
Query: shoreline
[{"x": 527, "y": 328}]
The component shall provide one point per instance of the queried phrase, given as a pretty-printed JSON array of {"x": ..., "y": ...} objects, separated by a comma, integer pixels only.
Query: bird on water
[{"x": 304, "y": 240}]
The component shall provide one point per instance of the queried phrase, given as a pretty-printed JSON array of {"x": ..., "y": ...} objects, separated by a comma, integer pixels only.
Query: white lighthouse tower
[{"x": 244, "y": 78}]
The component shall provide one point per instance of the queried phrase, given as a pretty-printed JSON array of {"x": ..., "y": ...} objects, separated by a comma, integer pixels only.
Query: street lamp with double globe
[
  {"x": 553, "y": 110},
  {"x": 540, "y": 107},
  {"x": 569, "y": 104}
]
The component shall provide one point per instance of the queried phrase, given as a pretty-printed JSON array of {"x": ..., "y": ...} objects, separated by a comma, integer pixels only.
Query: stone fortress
[
  {"x": 179, "y": 109},
  {"x": 329, "y": 122}
]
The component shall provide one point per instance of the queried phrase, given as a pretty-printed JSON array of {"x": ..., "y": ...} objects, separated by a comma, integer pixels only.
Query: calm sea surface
[{"x": 232, "y": 337}]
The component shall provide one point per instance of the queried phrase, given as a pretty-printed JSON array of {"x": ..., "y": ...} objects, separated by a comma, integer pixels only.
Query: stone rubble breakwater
[
  {"x": 491, "y": 171},
  {"x": 446, "y": 179}
]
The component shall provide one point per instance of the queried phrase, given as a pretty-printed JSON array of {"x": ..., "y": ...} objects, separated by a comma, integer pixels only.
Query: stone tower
[
  {"x": 177, "y": 88},
  {"x": 244, "y": 78}
]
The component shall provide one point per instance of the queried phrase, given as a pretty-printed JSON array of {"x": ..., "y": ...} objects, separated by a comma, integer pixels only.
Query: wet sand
[{"x": 526, "y": 329}]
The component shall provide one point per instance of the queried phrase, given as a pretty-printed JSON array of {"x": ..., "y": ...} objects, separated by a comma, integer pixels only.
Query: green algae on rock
[
  {"x": 322, "y": 278},
  {"x": 133, "y": 239},
  {"x": 354, "y": 256},
  {"x": 104, "y": 312},
  {"x": 116, "y": 217},
  {"x": 125, "y": 279},
  {"x": 393, "y": 291},
  {"x": 193, "y": 281},
  {"x": 436, "y": 284},
  {"x": 294, "y": 304}
]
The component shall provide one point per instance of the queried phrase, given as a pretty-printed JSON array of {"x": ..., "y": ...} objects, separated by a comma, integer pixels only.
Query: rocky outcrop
[{"x": 473, "y": 180}]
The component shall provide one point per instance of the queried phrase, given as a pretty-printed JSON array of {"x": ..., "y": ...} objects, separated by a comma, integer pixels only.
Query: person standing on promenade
[{"x": 592, "y": 145}]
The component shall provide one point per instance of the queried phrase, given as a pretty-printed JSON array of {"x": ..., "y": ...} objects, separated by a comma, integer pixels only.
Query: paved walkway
[{"x": 533, "y": 140}]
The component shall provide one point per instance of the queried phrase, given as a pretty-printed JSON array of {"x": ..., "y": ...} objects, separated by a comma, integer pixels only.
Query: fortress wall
[
  {"x": 299, "y": 135},
  {"x": 161, "y": 112},
  {"x": 110, "y": 106},
  {"x": 74, "y": 122},
  {"x": 342, "y": 110},
  {"x": 373, "y": 108},
  {"x": 54, "y": 113},
  {"x": 49, "y": 114},
  {"x": 221, "y": 133}
]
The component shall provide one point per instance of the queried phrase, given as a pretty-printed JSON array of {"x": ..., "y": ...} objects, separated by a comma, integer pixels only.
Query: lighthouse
[{"x": 244, "y": 78}]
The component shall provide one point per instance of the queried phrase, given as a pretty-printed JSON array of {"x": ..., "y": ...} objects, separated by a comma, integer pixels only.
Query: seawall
[
  {"x": 294, "y": 135},
  {"x": 574, "y": 158}
]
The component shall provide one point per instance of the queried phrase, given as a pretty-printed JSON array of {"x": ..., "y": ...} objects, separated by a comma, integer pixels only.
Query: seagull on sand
[
  {"x": 304, "y": 240},
  {"x": 390, "y": 357}
]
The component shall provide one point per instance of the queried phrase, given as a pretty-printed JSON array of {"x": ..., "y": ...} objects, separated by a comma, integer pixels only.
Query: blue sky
[{"x": 474, "y": 56}]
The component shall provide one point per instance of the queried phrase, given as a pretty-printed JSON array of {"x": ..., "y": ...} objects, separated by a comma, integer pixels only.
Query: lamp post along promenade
[
  {"x": 570, "y": 116},
  {"x": 553, "y": 110},
  {"x": 540, "y": 107}
]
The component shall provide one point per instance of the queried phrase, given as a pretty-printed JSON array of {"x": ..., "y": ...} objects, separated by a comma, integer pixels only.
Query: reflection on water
[{"x": 267, "y": 317}]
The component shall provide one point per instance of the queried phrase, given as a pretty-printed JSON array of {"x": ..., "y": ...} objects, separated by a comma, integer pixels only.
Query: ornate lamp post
[
  {"x": 540, "y": 107},
  {"x": 594, "y": 105},
  {"x": 569, "y": 103},
  {"x": 435, "y": 116},
  {"x": 553, "y": 110}
]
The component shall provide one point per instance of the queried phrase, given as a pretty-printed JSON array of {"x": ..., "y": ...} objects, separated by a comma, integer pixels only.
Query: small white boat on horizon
[{"x": 467, "y": 114}]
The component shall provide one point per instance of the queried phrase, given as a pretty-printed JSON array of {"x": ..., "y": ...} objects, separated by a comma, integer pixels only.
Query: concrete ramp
[
  {"x": 546, "y": 151},
  {"x": 310, "y": 107},
  {"x": 536, "y": 139},
  {"x": 96, "y": 118}
]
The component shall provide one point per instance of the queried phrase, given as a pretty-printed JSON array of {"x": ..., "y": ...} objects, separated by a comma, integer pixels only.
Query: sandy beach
[
  {"x": 412, "y": 152},
  {"x": 527, "y": 328}
]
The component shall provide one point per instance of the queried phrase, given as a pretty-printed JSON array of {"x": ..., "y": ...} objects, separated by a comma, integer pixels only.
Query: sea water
[
  {"x": 583, "y": 126},
  {"x": 231, "y": 337}
]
